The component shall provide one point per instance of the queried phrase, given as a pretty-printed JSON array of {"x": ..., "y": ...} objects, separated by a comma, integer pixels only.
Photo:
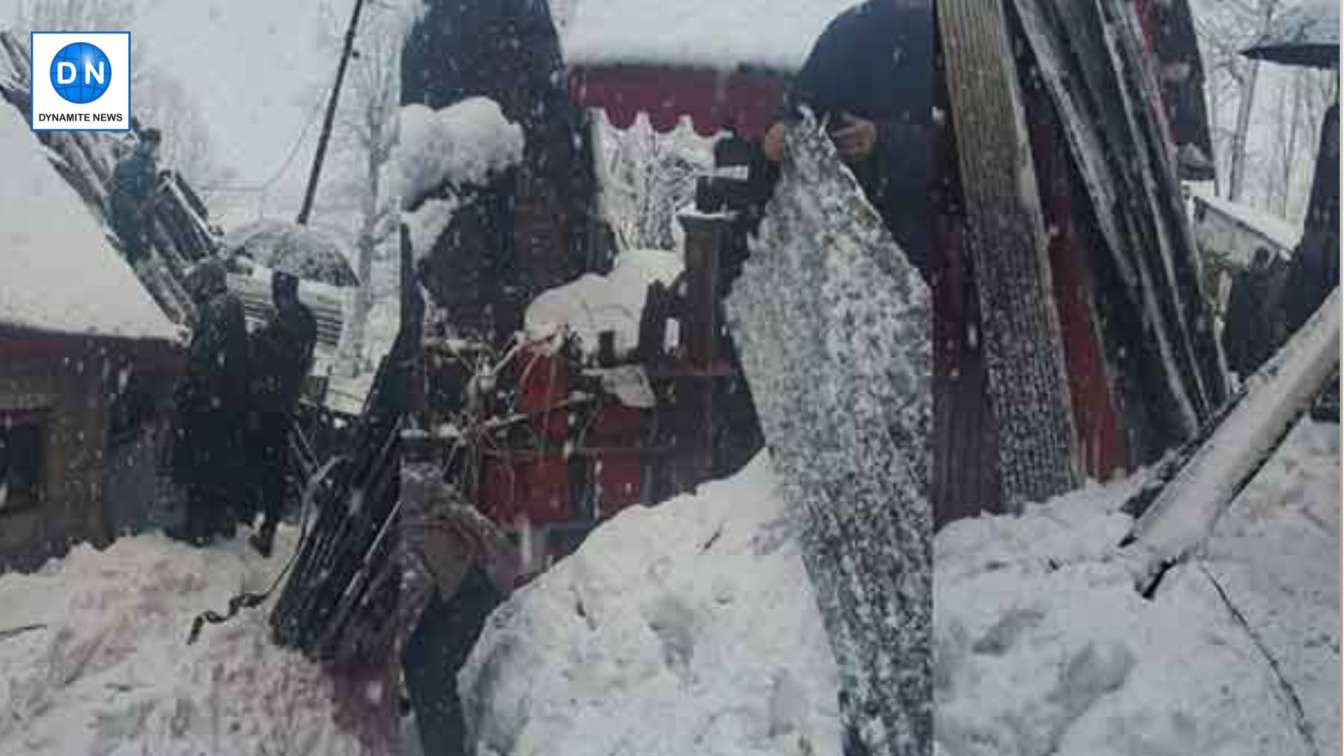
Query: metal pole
[{"x": 311, "y": 193}]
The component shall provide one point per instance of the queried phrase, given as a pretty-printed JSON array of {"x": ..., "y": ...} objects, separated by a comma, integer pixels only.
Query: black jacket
[
  {"x": 212, "y": 396},
  {"x": 875, "y": 61},
  {"x": 282, "y": 353}
]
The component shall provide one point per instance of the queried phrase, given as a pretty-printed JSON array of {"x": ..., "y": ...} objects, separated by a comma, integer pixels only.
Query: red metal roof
[{"x": 747, "y": 102}]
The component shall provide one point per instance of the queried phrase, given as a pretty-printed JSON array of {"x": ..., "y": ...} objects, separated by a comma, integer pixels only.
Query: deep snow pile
[
  {"x": 690, "y": 628},
  {"x": 687, "y": 628},
  {"x": 1045, "y": 647},
  {"x": 110, "y": 673}
]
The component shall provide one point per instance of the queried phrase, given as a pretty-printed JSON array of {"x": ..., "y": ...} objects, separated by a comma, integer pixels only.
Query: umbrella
[
  {"x": 1306, "y": 36},
  {"x": 301, "y": 251}
]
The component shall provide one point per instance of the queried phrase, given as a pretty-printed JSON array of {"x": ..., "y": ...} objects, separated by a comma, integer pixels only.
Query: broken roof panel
[{"x": 58, "y": 271}]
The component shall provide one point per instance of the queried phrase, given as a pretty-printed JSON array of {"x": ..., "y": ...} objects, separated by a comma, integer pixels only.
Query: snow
[
  {"x": 1312, "y": 22},
  {"x": 58, "y": 271},
  {"x": 686, "y": 628},
  {"x": 462, "y": 144},
  {"x": 310, "y": 253},
  {"x": 1280, "y": 231},
  {"x": 1276, "y": 553},
  {"x": 614, "y": 302},
  {"x": 110, "y": 672},
  {"x": 690, "y": 628},
  {"x": 428, "y": 223},
  {"x": 716, "y": 34}
]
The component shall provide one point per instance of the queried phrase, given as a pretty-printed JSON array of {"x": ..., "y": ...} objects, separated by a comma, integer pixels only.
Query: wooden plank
[
  {"x": 1006, "y": 236},
  {"x": 1102, "y": 94}
]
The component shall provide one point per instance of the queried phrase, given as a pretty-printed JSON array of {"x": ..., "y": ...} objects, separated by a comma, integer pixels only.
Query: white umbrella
[{"x": 301, "y": 251}]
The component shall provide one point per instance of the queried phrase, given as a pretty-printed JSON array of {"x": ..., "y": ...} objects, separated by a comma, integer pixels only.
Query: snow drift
[
  {"x": 686, "y": 628},
  {"x": 110, "y": 673},
  {"x": 690, "y": 628}
]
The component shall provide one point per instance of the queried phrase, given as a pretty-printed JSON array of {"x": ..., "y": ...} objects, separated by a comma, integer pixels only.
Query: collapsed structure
[{"x": 87, "y": 365}]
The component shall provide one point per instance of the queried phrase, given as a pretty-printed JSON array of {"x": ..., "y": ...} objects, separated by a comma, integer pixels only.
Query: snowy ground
[
  {"x": 691, "y": 628},
  {"x": 1045, "y": 648},
  {"x": 109, "y": 673}
]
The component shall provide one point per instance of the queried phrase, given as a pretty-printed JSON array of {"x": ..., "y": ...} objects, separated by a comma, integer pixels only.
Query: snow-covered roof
[
  {"x": 717, "y": 34},
  {"x": 58, "y": 271},
  {"x": 1281, "y": 231}
]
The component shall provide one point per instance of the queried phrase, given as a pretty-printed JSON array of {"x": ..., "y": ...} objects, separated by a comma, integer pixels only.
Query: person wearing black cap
[
  {"x": 282, "y": 355},
  {"x": 208, "y": 454},
  {"x": 133, "y": 183}
]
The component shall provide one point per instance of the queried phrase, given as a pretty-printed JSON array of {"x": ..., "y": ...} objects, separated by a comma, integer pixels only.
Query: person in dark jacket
[
  {"x": 211, "y": 400},
  {"x": 282, "y": 352},
  {"x": 133, "y": 183},
  {"x": 870, "y": 78},
  {"x": 1255, "y": 326}
]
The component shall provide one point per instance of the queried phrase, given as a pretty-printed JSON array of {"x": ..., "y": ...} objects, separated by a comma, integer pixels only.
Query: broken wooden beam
[{"x": 1185, "y": 511}]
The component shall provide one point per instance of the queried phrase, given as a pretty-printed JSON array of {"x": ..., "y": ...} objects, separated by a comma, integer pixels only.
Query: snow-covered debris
[
  {"x": 687, "y": 628},
  {"x": 690, "y": 628},
  {"x": 1185, "y": 512},
  {"x": 614, "y": 302},
  {"x": 831, "y": 322},
  {"x": 110, "y": 673},
  {"x": 1240, "y": 248},
  {"x": 462, "y": 144},
  {"x": 716, "y": 34},
  {"x": 58, "y": 271}
]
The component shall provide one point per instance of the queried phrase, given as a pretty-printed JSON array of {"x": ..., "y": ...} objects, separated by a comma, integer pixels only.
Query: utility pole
[{"x": 325, "y": 137}]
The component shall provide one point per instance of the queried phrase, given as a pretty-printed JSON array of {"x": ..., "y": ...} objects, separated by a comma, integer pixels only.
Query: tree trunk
[
  {"x": 1290, "y": 149},
  {"x": 1237, "y": 182},
  {"x": 1237, "y": 179},
  {"x": 365, "y": 246}
]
